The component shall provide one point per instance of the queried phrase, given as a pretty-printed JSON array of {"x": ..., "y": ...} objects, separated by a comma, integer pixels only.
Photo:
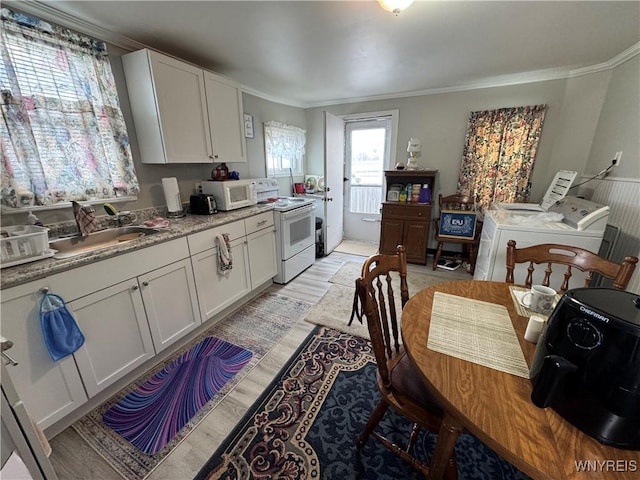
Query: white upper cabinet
[
  {"x": 183, "y": 114},
  {"x": 224, "y": 100}
]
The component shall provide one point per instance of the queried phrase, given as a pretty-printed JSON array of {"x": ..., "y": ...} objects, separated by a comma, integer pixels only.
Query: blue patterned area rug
[{"x": 305, "y": 425}]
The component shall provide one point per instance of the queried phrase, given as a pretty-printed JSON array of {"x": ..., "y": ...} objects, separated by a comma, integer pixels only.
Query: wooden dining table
[{"x": 496, "y": 407}]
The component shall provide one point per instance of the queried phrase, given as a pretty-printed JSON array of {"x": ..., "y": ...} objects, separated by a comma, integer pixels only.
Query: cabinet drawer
[
  {"x": 90, "y": 278},
  {"x": 258, "y": 222},
  {"x": 407, "y": 211},
  {"x": 201, "y": 241}
]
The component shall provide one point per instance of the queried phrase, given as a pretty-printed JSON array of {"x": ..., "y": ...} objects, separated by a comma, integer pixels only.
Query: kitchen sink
[{"x": 76, "y": 245}]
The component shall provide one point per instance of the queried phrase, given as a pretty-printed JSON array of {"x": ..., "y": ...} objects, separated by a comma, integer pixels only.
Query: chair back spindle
[
  {"x": 571, "y": 257},
  {"x": 377, "y": 298}
]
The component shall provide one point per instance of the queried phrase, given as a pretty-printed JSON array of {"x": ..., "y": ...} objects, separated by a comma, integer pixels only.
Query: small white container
[
  {"x": 534, "y": 328},
  {"x": 23, "y": 241}
]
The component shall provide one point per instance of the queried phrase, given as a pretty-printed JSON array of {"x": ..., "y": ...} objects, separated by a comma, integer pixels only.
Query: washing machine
[{"x": 582, "y": 225}]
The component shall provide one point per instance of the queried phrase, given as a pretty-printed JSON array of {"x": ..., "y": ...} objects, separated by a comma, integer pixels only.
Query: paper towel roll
[{"x": 172, "y": 194}]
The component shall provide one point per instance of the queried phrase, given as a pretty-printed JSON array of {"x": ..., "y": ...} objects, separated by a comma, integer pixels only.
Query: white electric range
[{"x": 295, "y": 229}]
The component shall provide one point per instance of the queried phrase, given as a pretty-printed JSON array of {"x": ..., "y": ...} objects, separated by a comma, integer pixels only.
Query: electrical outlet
[
  {"x": 618, "y": 158},
  {"x": 198, "y": 187}
]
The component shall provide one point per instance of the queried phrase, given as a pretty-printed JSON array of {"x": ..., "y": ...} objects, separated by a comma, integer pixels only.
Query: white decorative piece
[
  {"x": 414, "y": 151},
  {"x": 248, "y": 125}
]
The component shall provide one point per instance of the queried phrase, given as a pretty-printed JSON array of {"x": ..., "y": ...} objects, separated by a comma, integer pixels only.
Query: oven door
[{"x": 298, "y": 230}]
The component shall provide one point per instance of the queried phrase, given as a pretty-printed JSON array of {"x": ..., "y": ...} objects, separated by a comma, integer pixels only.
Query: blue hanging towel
[{"x": 62, "y": 336}]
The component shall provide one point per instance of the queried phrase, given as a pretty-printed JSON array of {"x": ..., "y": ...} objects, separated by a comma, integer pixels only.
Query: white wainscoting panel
[{"x": 623, "y": 197}]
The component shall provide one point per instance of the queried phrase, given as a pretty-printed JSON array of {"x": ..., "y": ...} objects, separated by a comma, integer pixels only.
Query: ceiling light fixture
[{"x": 395, "y": 6}]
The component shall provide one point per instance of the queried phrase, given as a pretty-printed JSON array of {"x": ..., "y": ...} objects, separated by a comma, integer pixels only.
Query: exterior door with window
[
  {"x": 367, "y": 151},
  {"x": 333, "y": 181}
]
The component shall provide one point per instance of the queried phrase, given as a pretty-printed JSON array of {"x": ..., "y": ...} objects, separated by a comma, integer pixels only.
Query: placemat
[{"x": 476, "y": 331}]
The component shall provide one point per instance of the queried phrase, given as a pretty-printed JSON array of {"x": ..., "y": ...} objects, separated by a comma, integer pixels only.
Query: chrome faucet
[
  {"x": 121, "y": 218},
  {"x": 85, "y": 218}
]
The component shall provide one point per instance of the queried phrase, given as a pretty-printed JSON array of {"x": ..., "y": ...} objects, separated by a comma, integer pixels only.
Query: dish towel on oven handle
[
  {"x": 225, "y": 260},
  {"x": 61, "y": 333}
]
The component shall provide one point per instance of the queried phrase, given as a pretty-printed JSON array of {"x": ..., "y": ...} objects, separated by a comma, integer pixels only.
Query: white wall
[
  {"x": 589, "y": 118},
  {"x": 440, "y": 122},
  {"x": 618, "y": 129},
  {"x": 265, "y": 111}
]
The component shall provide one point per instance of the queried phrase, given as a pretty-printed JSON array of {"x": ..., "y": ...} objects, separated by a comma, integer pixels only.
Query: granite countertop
[{"x": 180, "y": 227}]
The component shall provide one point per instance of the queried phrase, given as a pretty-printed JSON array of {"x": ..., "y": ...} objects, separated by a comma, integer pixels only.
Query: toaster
[{"x": 203, "y": 204}]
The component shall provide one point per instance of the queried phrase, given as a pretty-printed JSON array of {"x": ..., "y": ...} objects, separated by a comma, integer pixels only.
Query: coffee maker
[{"x": 587, "y": 364}]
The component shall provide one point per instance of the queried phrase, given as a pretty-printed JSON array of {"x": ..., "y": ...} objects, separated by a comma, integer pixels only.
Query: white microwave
[{"x": 231, "y": 194}]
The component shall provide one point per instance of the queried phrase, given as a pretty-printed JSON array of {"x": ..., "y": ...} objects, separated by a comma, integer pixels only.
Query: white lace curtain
[{"x": 284, "y": 148}]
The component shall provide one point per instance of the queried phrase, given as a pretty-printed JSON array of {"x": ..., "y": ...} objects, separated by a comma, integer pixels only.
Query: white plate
[{"x": 46, "y": 254}]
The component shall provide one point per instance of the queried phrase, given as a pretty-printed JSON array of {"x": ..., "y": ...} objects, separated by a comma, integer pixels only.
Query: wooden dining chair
[
  {"x": 464, "y": 204},
  {"x": 399, "y": 383},
  {"x": 572, "y": 257}
]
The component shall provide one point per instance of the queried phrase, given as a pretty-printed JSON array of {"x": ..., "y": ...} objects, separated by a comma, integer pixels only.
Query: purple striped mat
[{"x": 150, "y": 416}]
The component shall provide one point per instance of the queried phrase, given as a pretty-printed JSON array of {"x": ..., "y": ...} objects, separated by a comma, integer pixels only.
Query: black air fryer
[{"x": 587, "y": 364}]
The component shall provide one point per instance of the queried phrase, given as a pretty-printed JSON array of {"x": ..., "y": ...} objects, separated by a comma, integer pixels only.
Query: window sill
[{"x": 64, "y": 205}]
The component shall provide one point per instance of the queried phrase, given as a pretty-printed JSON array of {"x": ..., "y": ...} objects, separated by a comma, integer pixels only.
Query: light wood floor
[{"x": 73, "y": 459}]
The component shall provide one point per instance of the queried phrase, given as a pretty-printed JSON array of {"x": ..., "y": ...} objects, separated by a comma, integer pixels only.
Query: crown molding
[
  {"x": 271, "y": 98},
  {"x": 52, "y": 14},
  {"x": 502, "y": 81},
  {"x": 38, "y": 7},
  {"x": 619, "y": 59}
]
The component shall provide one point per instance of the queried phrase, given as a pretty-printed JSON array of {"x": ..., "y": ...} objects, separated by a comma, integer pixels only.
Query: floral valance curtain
[
  {"x": 62, "y": 133},
  {"x": 284, "y": 147},
  {"x": 499, "y": 154}
]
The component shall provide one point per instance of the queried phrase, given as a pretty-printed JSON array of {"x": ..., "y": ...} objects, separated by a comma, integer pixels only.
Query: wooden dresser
[{"x": 407, "y": 222}]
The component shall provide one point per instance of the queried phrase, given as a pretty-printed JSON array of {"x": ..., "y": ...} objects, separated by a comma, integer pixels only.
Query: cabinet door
[
  {"x": 224, "y": 103},
  {"x": 116, "y": 332},
  {"x": 50, "y": 390},
  {"x": 171, "y": 303},
  {"x": 216, "y": 290},
  {"x": 414, "y": 238},
  {"x": 390, "y": 235},
  {"x": 182, "y": 107},
  {"x": 262, "y": 256}
]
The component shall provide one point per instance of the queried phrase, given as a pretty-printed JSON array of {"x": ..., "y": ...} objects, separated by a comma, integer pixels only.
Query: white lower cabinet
[
  {"x": 50, "y": 390},
  {"x": 261, "y": 242},
  {"x": 128, "y": 323},
  {"x": 171, "y": 303},
  {"x": 129, "y": 308},
  {"x": 125, "y": 306},
  {"x": 217, "y": 290},
  {"x": 117, "y": 337}
]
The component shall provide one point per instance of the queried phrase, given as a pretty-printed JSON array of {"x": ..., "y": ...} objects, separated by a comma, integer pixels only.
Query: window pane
[{"x": 367, "y": 156}]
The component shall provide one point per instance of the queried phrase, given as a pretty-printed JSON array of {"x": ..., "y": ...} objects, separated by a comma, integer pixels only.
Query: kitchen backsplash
[{"x": 106, "y": 221}]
